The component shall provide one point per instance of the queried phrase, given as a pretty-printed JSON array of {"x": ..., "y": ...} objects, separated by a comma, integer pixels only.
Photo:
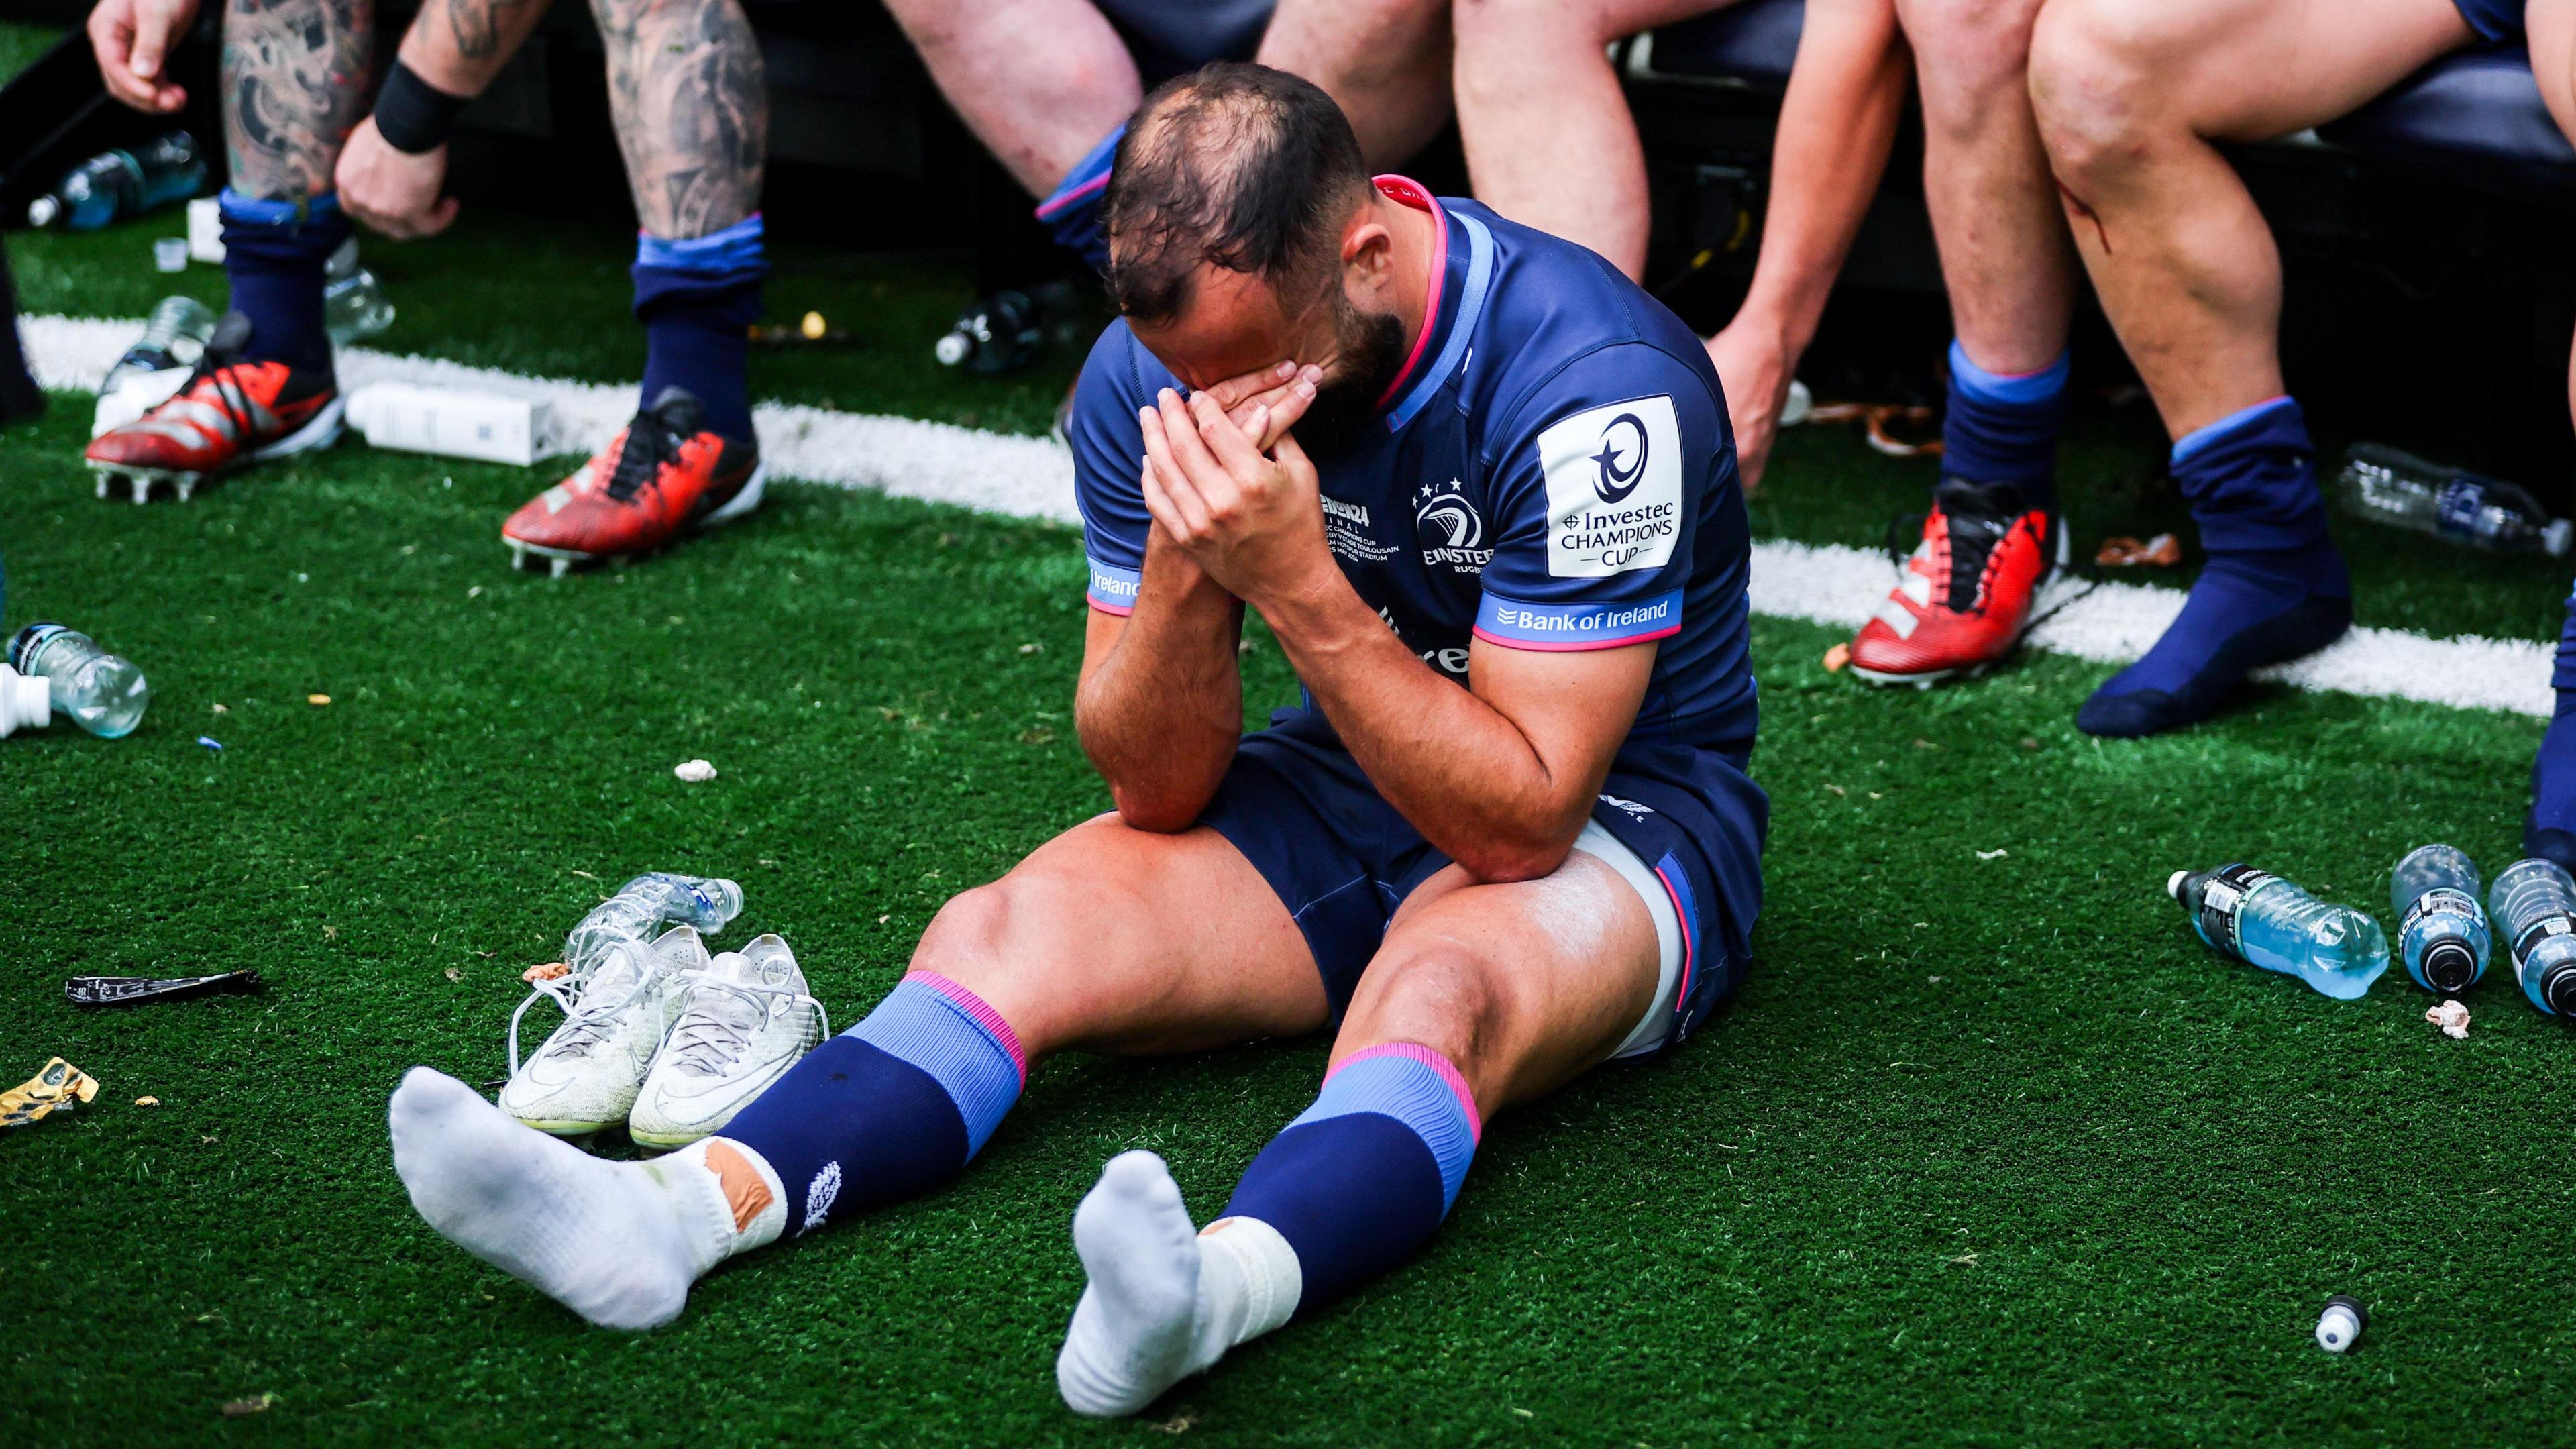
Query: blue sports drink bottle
[
  {"x": 2441, "y": 929},
  {"x": 2259, "y": 918},
  {"x": 2535, "y": 902}
]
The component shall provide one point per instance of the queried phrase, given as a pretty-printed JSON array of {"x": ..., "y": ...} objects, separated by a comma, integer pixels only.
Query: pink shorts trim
[
  {"x": 1440, "y": 1067},
  {"x": 983, "y": 1012}
]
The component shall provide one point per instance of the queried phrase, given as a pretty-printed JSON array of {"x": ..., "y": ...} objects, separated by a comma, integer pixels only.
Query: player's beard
[{"x": 1345, "y": 407}]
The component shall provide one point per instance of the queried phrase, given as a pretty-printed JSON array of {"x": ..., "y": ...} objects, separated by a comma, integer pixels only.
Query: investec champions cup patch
[{"x": 1614, "y": 489}]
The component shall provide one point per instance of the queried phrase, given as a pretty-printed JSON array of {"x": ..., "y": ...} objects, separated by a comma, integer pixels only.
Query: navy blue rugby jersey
[{"x": 1556, "y": 473}]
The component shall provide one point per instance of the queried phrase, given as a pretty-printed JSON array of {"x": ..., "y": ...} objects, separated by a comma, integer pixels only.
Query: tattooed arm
[
  {"x": 457, "y": 46},
  {"x": 692, "y": 111},
  {"x": 295, "y": 81}
]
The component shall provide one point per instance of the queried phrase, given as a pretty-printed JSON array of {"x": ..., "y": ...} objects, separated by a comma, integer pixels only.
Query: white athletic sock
[
  {"x": 617, "y": 1242},
  {"x": 1163, "y": 1302}
]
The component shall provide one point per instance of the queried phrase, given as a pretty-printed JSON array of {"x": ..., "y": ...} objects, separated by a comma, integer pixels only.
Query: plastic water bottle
[
  {"x": 651, "y": 900},
  {"x": 2441, "y": 929},
  {"x": 2400, "y": 489},
  {"x": 2535, "y": 902},
  {"x": 2259, "y": 918},
  {"x": 1010, "y": 330},
  {"x": 174, "y": 336},
  {"x": 354, "y": 305},
  {"x": 114, "y": 185},
  {"x": 103, "y": 694}
]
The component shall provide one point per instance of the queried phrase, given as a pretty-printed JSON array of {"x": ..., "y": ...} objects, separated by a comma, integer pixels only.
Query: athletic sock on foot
[
  {"x": 697, "y": 299},
  {"x": 2003, "y": 427},
  {"x": 1359, "y": 1182},
  {"x": 2274, "y": 589},
  {"x": 2550, "y": 829},
  {"x": 889, "y": 1109},
  {"x": 275, "y": 255},
  {"x": 1072, "y": 211}
]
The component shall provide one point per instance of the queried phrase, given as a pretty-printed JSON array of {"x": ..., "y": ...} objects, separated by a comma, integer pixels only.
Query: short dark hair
[{"x": 1237, "y": 165}]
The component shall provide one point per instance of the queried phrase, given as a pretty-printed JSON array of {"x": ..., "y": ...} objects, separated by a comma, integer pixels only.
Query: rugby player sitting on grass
[{"x": 1508, "y": 836}]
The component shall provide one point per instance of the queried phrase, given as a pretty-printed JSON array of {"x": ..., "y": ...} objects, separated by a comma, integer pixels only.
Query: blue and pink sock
[
  {"x": 697, "y": 299},
  {"x": 1072, "y": 211},
  {"x": 275, "y": 255},
  {"x": 2274, "y": 588},
  {"x": 889, "y": 1109},
  {"x": 1361, "y": 1180}
]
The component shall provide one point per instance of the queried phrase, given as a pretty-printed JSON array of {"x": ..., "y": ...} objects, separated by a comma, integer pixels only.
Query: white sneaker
[
  {"x": 586, "y": 1075},
  {"x": 744, "y": 1020}
]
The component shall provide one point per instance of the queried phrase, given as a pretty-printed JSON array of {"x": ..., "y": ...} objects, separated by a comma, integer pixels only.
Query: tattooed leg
[
  {"x": 692, "y": 111},
  {"x": 295, "y": 81}
]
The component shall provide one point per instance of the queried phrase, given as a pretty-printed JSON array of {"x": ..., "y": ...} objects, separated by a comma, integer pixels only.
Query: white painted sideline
[{"x": 1033, "y": 477}]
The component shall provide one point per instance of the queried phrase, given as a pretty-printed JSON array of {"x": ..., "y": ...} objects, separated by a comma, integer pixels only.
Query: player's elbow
[
  {"x": 1506, "y": 862},
  {"x": 1156, "y": 812}
]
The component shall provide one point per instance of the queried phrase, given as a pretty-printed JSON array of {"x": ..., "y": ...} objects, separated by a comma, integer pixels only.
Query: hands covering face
[{"x": 1226, "y": 481}]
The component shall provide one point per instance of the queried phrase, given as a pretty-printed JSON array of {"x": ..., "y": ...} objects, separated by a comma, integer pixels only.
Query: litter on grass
[
  {"x": 58, "y": 1087},
  {"x": 548, "y": 972},
  {"x": 2451, "y": 1017},
  {"x": 147, "y": 1101},
  {"x": 2160, "y": 552},
  {"x": 213, "y": 746},
  {"x": 695, "y": 772},
  {"x": 125, "y": 990},
  {"x": 317, "y": 700},
  {"x": 2341, "y": 1323},
  {"x": 1836, "y": 658},
  {"x": 1996, "y": 854}
]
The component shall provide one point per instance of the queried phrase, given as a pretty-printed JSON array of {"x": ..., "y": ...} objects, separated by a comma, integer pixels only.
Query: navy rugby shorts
[{"x": 1341, "y": 859}]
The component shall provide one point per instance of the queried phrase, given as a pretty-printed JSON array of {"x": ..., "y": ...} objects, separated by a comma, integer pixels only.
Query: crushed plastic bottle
[
  {"x": 174, "y": 336},
  {"x": 114, "y": 185},
  {"x": 651, "y": 900},
  {"x": 103, "y": 694},
  {"x": 2388, "y": 486},
  {"x": 2534, "y": 903},
  {"x": 2259, "y": 918},
  {"x": 354, "y": 305},
  {"x": 2441, "y": 929}
]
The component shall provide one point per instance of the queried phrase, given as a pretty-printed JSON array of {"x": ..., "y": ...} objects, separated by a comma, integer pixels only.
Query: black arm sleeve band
[{"x": 412, "y": 115}]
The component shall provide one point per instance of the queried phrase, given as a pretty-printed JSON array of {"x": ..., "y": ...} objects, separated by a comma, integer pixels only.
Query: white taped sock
[
  {"x": 617, "y": 1242},
  {"x": 1163, "y": 1302}
]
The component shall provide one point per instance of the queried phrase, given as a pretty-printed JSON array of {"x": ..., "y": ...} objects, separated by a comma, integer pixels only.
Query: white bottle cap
[
  {"x": 2340, "y": 1325},
  {"x": 2173, "y": 883},
  {"x": 2557, "y": 536},
  {"x": 951, "y": 349},
  {"x": 24, "y": 703}
]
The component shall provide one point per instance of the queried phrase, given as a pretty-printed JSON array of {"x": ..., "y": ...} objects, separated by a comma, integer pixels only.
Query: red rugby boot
[
  {"x": 1971, "y": 590},
  {"x": 228, "y": 413},
  {"x": 663, "y": 476}
]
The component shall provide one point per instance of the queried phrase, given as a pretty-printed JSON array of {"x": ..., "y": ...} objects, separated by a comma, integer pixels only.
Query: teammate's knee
[
  {"x": 1971, "y": 54},
  {"x": 1485, "y": 26},
  {"x": 2094, "y": 90}
]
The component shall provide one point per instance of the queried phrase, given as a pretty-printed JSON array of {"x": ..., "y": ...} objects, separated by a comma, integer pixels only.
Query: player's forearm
[
  {"x": 1837, "y": 123},
  {"x": 458, "y": 46},
  {"x": 1455, "y": 767},
  {"x": 1160, "y": 714},
  {"x": 294, "y": 74}
]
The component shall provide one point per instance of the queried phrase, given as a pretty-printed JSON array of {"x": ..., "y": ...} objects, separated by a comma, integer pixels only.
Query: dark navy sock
[
  {"x": 2003, "y": 427},
  {"x": 2274, "y": 589},
  {"x": 275, "y": 253},
  {"x": 1360, "y": 1181},
  {"x": 889, "y": 1109},
  {"x": 1072, "y": 211},
  {"x": 2550, "y": 829},
  {"x": 697, "y": 300}
]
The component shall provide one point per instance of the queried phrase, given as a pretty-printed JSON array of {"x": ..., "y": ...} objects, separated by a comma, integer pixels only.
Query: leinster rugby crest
[{"x": 1450, "y": 529}]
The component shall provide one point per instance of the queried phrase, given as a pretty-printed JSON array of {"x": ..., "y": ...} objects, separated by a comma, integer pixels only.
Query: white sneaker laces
[
  {"x": 713, "y": 1035},
  {"x": 587, "y": 1023}
]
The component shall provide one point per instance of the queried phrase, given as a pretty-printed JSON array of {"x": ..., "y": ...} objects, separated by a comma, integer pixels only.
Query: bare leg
[
  {"x": 1837, "y": 122},
  {"x": 1039, "y": 82},
  {"x": 686, "y": 87},
  {"x": 295, "y": 80},
  {"x": 2004, "y": 256},
  {"x": 1550, "y": 142},
  {"x": 1385, "y": 61},
  {"x": 2131, "y": 94}
]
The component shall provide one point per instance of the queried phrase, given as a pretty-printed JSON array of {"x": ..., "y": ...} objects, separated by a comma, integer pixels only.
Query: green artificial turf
[
  {"x": 21, "y": 43},
  {"x": 1988, "y": 1150}
]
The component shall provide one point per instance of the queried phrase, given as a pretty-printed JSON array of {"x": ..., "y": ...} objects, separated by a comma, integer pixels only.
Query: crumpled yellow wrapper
[{"x": 58, "y": 1087}]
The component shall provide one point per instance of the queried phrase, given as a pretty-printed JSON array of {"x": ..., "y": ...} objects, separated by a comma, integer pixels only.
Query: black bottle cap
[
  {"x": 2558, "y": 988},
  {"x": 2449, "y": 966}
]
